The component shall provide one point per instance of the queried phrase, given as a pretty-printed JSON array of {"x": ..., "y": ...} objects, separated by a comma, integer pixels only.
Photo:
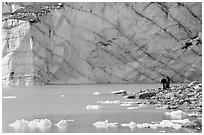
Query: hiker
[
  {"x": 168, "y": 82},
  {"x": 164, "y": 82}
]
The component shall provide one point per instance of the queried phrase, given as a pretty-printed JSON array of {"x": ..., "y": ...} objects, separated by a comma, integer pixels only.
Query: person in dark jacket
[
  {"x": 168, "y": 82},
  {"x": 164, "y": 82}
]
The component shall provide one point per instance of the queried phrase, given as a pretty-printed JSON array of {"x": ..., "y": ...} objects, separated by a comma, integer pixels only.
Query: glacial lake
[{"x": 69, "y": 102}]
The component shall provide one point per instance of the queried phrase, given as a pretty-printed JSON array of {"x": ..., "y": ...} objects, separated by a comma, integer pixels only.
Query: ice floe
[
  {"x": 175, "y": 124},
  {"x": 93, "y": 107},
  {"x": 128, "y": 102},
  {"x": 119, "y": 92},
  {"x": 105, "y": 124},
  {"x": 132, "y": 108},
  {"x": 36, "y": 123},
  {"x": 162, "y": 131},
  {"x": 179, "y": 114},
  {"x": 41, "y": 124},
  {"x": 62, "y": 95},
  {"x": 19, "y": 124},
  {"x": 8, "y": 97},
  {"x": 125, "y": 104},
  {"x": 62, "y": 124},
  {"x": 109, "y": 102},
  {"x": 142, "y": 105},
  {"x": 96, "y": 93},
  {"x": 70, "y": 120},
  {"x": 131, "y": 125}
]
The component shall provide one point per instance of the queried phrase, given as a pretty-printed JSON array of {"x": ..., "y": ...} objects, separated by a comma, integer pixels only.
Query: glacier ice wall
[{"x": 92, "y": 43}]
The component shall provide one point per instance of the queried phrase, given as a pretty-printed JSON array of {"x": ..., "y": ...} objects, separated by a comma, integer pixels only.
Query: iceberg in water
[
  {"x": 43, "y": 123},
  {"x": 175, "y": 124},
  {"x": 105, "y": 124},
  {"x": 62, "y": 124},
  {"x": 94, "y": 107},
  {"x": 142, "y": 105},
  {"x": 96, "y": 93},
  {"x": 34, "y": 124},
  {"x": 131, "y": 125},
  {"x": 62, "y": 95},
  {"x": 176, "y": 114},
  {"x": 109, "y": 102},
  {"x": 119, "y": 92},
  {"x": 37, "y": 123},
  {"x": 125, "y": 104},
  {"x": 7, "y": 97},
  {"x": 19, "y": 124},
  {"x": 131, "y": 108}
]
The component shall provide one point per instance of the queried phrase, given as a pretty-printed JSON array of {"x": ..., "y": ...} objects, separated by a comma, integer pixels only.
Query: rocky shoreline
[{"x": 183, "y": 100}]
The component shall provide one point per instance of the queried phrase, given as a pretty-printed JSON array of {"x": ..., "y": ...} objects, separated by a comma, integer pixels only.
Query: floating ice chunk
[
  {"x": 62, "y": 124},
  {"x": 94, "y": 107},
  {"x": 162, "y": 131},
  {"x": 19, "y": 124},
  {"x": 37, "y": 123},
  {"x": 96, "y": 93},
  {"x": 169, "y": 124},
  {"x": 62, "y": 95},
  {"x": 176, "y": 114},
  {"x": 176, "y": 124},
  {"x": 131, "y": 108},
  {"x": 131, "y": 125},
  {"x": 125, "y": 104},
  {"x": 143, "y": 125},
  {"x": 116, "y": 102},
  {"x": 105, "y": 124},
  {"x": 128, "y": 102},
  {"x": 142, "y": 105},
  {"x": 44, "y": 124},
  {"x": 34, "y": 124},
  {"x": 8, "y": 97},
  {"x": 109, "y": 102},
  {"x": 70, "y": 120},
  {"x": 119, "y": 92},
  {"x": 184, "y": 121}
]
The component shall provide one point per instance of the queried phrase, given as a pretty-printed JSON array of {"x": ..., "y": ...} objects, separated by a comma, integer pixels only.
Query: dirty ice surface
[{"x": 74, "y": 108}]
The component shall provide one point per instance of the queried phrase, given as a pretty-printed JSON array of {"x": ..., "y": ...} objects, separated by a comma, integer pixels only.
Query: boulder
[
  {"x": 196, "y": 124},
  {"x": 146, "y": 95}
]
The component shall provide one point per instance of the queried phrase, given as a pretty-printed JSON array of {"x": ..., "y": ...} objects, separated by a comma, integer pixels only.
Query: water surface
[{"x": 56, "y": 102}]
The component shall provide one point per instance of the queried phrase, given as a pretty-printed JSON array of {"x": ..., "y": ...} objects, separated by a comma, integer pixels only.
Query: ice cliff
[{"x": 91, "y": 43}]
